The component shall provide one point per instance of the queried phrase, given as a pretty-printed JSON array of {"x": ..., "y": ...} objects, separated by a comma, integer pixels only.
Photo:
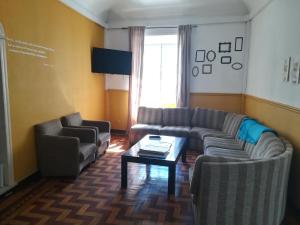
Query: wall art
[
  {"x": 239, "y": 42},
  {"x": 294, "y": 70},
  {"x": 226, "y": 60},
  {"x": 211, "y": 56},
  {"x": 195, "y": 71},
  {"x": 225, "y": 47},
  {"x": 200, "y": 56},
  {"x": 207, "y": 69},
  {"x": 286, "y": 70},
  {"x": 237, "y": 66}
]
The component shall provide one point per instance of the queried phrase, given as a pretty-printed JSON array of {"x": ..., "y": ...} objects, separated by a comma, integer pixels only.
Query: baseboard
[
  {"x": 33, "y": 177},
  {"x": 119, "y": 132}
]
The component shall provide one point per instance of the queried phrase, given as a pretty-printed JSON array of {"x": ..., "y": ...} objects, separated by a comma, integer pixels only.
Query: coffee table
[{"x": 177, "y": 149}]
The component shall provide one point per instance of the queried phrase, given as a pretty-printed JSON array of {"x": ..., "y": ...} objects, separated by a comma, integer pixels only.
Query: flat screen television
[{"x": 111, "y": 61}]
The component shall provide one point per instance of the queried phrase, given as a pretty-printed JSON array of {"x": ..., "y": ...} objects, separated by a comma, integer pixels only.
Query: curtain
[
  {"x": 183, "y": 65},
  {"x": 136, "y": 43}
]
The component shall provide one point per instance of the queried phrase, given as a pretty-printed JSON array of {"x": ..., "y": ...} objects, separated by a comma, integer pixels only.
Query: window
[{"x": 159, "y": 71}]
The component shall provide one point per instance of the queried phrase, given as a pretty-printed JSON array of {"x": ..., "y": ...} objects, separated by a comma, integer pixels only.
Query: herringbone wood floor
[{"x": 95, "y": 197}]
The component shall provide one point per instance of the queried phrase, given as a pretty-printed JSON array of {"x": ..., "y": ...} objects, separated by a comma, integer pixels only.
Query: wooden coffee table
[{"x": 177, "y": 149}]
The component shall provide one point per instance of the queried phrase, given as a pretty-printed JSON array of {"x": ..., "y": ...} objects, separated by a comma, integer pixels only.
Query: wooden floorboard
[{"x": 95, "y": 196}]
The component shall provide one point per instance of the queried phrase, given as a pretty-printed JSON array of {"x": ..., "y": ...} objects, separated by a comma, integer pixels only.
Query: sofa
[
  {"x": 233, "y": 181},
  {"x": 64, "y": 151},
  {"x": 102, "y": 129}
]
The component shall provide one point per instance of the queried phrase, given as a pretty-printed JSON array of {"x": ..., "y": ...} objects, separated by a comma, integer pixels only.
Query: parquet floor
[{"x": 95, "y": 196}]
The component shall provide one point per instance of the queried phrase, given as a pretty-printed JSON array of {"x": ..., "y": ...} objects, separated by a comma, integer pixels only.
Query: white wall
[
  {"x": 223, "y": 78},
  {"x": 275, "y": 35},
  {"x": 117, "y": 39}
]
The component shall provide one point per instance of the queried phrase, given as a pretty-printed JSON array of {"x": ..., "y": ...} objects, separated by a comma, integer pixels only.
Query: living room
[{"x": 236, "y": 58}]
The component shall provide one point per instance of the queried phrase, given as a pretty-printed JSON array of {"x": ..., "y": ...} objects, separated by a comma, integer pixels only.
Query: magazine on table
[{"x": 155, "y": 148}]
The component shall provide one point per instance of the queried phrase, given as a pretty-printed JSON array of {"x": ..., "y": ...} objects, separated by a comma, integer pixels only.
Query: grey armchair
[
  {"x": 102, "y": 129},
  {"x": 64, "y": 151}
]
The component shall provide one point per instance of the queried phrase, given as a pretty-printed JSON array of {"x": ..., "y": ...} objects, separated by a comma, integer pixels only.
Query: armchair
[
  {"x": 102, "y": 129},
  {"x": 64, "y": 151}
]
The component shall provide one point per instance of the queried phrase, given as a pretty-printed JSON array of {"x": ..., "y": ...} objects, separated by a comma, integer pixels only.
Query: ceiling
[{"x": 110, "y": 13}]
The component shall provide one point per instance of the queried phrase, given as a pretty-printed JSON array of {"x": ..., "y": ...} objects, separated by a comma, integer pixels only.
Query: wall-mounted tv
[{"x": 111, "y": 61}]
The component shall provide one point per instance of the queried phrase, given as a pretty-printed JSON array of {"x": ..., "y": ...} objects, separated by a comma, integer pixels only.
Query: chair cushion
[
  {"x": 176, "y": 117},
  {"x": 145, "y": 128},
  {"x": 208, "y": 118},
  {"x": 177, "y": 131},
  {"x": 72, "y": 120},
  {"x": 86, "y": 149},
  {"x": 149, "y": 115},
  {"x": 199, "y": 132},
  {"x": 52, "y": 127},
  {"x": 103, "y": 137},
  {"x": 222, "y": 143},
  {"x": 226, "y": 153},
  {"x": 232, "y": 123}
]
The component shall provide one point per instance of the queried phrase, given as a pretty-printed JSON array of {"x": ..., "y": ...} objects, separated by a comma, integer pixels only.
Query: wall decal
[
  {"x": 200, "y": 56},
  {"x": 211, "y": 56},
  {"x": 206, "y": 69},
  {"x": 286, "y": 70},
  {"x": 239, "y": 42},
  {"x": 226, "y": 60},
  {"x": 195, "y": 71},
  {"x": 237, "y": 66},
  {"x": 224, "y": 47}
]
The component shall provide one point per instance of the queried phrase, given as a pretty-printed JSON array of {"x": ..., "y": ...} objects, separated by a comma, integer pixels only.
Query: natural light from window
[{"x": 159, "y": 71}]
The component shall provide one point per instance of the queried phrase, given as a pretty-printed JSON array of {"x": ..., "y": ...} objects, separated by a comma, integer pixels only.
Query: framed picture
[
  {"x": 239, "y": 42},
  {"x": 286, "y": 70},
  {"x": 225, "y": 47},
  {"x": 237, "y": 66},
  {"x": 195, "y": 71},
  {"x": 226, "y": 60},
  {"x": 211, "y": 56},
  {"x": 207, "y": 69},
  {"x": 294, "y": 70},
  {"x": 200, "y": 56}
]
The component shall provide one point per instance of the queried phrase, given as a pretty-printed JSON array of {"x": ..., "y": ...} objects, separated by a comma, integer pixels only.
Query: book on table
[{"x": 155, "y": 149}]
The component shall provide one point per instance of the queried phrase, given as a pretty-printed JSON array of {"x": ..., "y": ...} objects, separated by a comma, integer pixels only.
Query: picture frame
[
  {"x": 207, "y": 69},
  {"x": 211, "y": 56},
  {"x": 237, "y": 66},
  {"x": 224, "y": 47},
  {"x": 226, "y": 60},
  {"x": 286, "y": 70},
  {"x": 195, "y": 71},
  {"x": 239, "y": 44},
  {"x": 294, "y": 70},
  {"x": 200, "y": 56}
]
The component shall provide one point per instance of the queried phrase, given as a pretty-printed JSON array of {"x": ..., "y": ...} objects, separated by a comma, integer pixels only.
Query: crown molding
[{"x": 85, "y": 12}]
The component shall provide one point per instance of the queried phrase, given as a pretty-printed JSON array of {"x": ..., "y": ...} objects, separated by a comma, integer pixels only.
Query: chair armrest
[
  {"x": 89, "y": 127},
  {"x": 103, "y": 126},
  {"x": 86, "y": 135}
]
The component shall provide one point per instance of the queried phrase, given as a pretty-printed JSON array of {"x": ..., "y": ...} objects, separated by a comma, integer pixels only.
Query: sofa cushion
[
  {"x": 176, "y": 117},
  {"x": 72, "y": 120},
  {"x": 208, "y": 118},
  {"x": 227, "y": 153},
  {"x": 103, "y": 137},
  {"x": 232, "y": 123},
  {"x": 268, "y": 146},
  {"x": 201, "y": 133},
  {"x": 145, "y": 128},
  {"x": 222, "y": 143},
  {"x": 177, "y": 131},
  {"x": 149, "y": 116},
  {"x": 86, "y": 149},
  {"x": 52, "y": 127}
]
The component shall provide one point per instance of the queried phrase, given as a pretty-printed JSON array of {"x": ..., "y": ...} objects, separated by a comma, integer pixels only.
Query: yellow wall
[
  {"x": 286, "y": 121},
  {"x": 117, "y": 108},
  {"x": 221, "y": 101},
  {"x": 39, "y": 92}
]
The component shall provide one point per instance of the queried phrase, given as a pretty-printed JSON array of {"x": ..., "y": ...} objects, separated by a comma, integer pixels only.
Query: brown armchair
[
  {"x": 64, "y": 151},
  {"x": 102, "y": 129}
]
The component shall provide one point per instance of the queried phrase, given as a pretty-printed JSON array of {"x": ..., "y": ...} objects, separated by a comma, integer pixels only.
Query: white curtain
[
  {"x": 136, "y": 39},
  {"x": 184, "y": 65}
]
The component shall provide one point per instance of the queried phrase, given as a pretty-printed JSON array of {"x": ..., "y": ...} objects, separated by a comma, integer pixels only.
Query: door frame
[{"x": 6, "y": 136}]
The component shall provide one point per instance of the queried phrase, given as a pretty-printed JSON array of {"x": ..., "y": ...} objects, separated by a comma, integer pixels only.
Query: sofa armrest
[
  {"x": 58, "y": 155},
  {"x": 86, "y": 135},
  {"x": 103, "y": 126}
]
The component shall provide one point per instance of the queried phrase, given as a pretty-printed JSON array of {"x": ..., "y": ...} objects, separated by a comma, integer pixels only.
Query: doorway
[{"x": 6, "y": 160}]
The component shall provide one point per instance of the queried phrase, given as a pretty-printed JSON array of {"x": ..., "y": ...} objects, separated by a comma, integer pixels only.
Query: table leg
[
  {"x": 123, "y": 173},
  {"x": 171, "y": 180}
]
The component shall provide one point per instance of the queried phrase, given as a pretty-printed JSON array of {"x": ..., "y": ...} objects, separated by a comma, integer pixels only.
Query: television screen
[{"x": 111, "y": 61}]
